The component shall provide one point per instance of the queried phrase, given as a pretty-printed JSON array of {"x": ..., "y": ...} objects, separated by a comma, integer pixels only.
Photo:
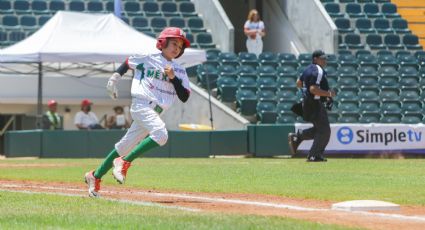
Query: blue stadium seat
[
  {"x": 388, "y": 60},
  {"x": 414, "y": 118},
  {"x": 10, "y": 22},
  {"x": 21, "y": 7},
  {"x": 247, "y": 71},
  {"x": 268, "y": 58},
  {"x": 286, "y": 118},
  {"x": 374, "y": 41},
  {"x": 286, "y": 81},
  {"x": 246, "y": 102},
  {"x": 286, "y": 71},
  {"x": 347, "y": 76},
  {"x": 392, "y": 41},
  {"x": 390, "y": 118},
  {"x": 372, "y": 10},
  {"x": 43, "y": 19},
  {"x": 389, "y": 10},
  {"x": 28, "y": 22},
  {"x": 196, "y": 25},
  {"x": 247, "y": 83},
  {"x": 400, "y": 26},
  {"x": 158, "y": 23},
  {"x": 406, "y": 59},
  {"x": 368, "y": 76},
  {"x": 288, "y": 94},
  {"x": 77, "y": 5},
  {"x": 343, "y": 25},
  {"x": 411, "y": 42},
  {"x": 383, "y": 26},
  {"x": 228, "y": 58},
  {"x": 265, "y": 94},
  {"x": 284, "y": 106},
  {"x": 266, "y": 71},
  {"x": 368, "y": 94},
  {"x": 333, "y": 10},
  {"x": 288, "y": 59},
  {"x": 207, "y": 74},
  {"x": 39, "y": 7},
  {"x": 304, "y": 59},
  {"x": 225, "y": 70},
  {"x": 266, "y": 112},
  {"x": 6, "y": 8},
  {"x": 391, "y": 107},
  {"x": 370, "y": 106},
  {"x": 205, "y": 40},
  {"x": 389, "y": 94},
  {"x": 364, "y": 25},
  {"x": 347, "y": 94},
  {"x": 347, "y": 60},
  {"x": 368, "y": 60},
  {"x": 367, "y": 118},
  {"x": 246, "y": 58},
  {"x": 226, "y": 89},
  {"x": 56, "y": 5},
  {"x": 151, "y": 9},
  {"x": 410, "y": 94},
  {"x": 353, "y": 41},
  {"x": 110, "y": 6},
  {"x": 354, "y": 10},
  {"x": 187, "y": 9},
  {"x": 140, "y": 23},
  {"x": 411, "y": 106},
  {"x": 169, "y": 9},
  {"x": 94, "y": 6}
]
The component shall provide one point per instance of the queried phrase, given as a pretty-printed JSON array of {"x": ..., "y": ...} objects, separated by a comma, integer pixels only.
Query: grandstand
[{"x": 376, "y": 62}]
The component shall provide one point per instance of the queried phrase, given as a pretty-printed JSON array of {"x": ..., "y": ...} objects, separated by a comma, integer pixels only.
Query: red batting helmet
[
  {"x": 85, "y": 102},
  {"x": 51, "y": 103},
  {"x": 172, "y": 32}
]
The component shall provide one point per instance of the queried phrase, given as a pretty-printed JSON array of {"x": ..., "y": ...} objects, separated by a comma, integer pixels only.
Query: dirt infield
[{"x": 408, "y": 217}]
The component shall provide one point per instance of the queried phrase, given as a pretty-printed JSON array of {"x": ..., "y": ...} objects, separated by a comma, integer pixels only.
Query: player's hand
[
  {"x": 332, "y": 93},
  {"x": 169, "y": 72},
  {"x": 111, "y": 86}
]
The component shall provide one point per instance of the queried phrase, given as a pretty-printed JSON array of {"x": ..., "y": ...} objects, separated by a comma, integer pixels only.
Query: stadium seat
[
  {"x": 246, "y": 102},
  {"x": 390, "y": 118},
  {"x": 347, "y": 60},
  {"x": 400, "y": 26},
  {"x": 288, "y": 94},
  {"x": 247, "y": 71},
  {"x": 284, "y": 106},
  {"x": 372, "y": 10},
  {"x": 374, "y": 41},
  {"x": 370, "y": 106},
  {"x": 178, "y": 22},
  {"x": 288, "y": 59},
  {"x": 226, "y": 70},
  {"x": 158, "y": 23},
  {"x": 286, "y": 118},
  {"x": 346, "y": 71},
  {"x": 228, "y": 58},
  {"x": 286, "y": 81},
  {"x": 268, "y": 58},
  {"x": 341, "y": 44},
  {"x": 388, "y": 61},
  {"x": 16, "y": 36},
  {"x": 334, "y": 10},
  {"x": 367, "y": 94},
  {"x": 246, "y": 58},
  {"x": 196, "y": 25},
  {"x": 347, "y": 1},
  {"x": 6, "y": 8},
  {"x": 389, "y": 10},
  {"x": 28, "y": 22},
  {"x": 353, "y": 41},
  {"x": 364, "y": 25},
  {"x": 347, "y": 94},
  {"x": 354, "y": 10},
  {"x": 410, "y": 94},
  {"x": 286, "y": 71},
  {"x": 226, "y": 89},
  {"x": 413, "y": 118},
  {"x": 21, "y": 7},
  {"x": 304, "y": 59},
  {"x": 77, "y": 5},
  {"x": 368, "y": 76},
  {"x": 207, "y": 74},
  {"x": 383, "y": 26},
  {"x": 411, "y": 42},
  {"x": 407, "y": 60},
  {"x": 43, "y": 19},
  {"x": 169, "y": 9},
  {"x": 391, "y": 107},
  {"x": 367, "y": 118},
  {"x": 368, "y": 60},
  {"x": 408, "y": 71},
  {"x": 343, "y": 25},
  {"x": 389, "y": 94},
  {"x": 392, "y": 41},
  {"x": 39, "y": 7},
  {"x": 267, "y": 83},
  {"x": 266, "y": 112},
  {"x": 140, "y": 23},
  {"x": 56, "y": 5},
  {"x": 411, "y": 106},
  {"x": 333, "y": 117},
  {"x": 110, "y": 6},
  {"x": 93, "y": 6},
  {"x": 205, "y": 40},
  {"x": 151, "y": 9},
  {"x": 187, "y": 9},
  {"x": 264, "y": 94},
  {"x": 348, "y": 106},
  {"x": 266, "y": 71},
  {"x": 348, "y": 117}
]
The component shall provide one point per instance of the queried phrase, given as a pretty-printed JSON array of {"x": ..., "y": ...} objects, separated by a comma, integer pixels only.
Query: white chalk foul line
[{"x": 234, "y": 201}]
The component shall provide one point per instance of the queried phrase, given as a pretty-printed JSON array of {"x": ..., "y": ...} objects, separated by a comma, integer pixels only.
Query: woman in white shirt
[{"x": 254, "y": 30}]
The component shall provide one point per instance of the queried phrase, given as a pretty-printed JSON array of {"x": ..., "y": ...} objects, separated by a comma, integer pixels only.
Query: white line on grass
[{"x": 234, "y": 201}]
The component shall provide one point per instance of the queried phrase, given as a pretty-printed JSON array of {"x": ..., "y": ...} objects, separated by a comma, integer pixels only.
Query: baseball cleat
[
  {"x": 293, "y": 141},
  {"x": 93, "y": 183},
  {"x": 120, "y": 169},
  {"x": 316, "y": 159}
]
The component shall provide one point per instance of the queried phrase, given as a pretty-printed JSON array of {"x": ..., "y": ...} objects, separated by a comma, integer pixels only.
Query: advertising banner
[{"x": 371, "y": 138}]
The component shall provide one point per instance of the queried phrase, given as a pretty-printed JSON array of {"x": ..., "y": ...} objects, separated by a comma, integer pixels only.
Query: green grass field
[{"x": 398, "y": 181}]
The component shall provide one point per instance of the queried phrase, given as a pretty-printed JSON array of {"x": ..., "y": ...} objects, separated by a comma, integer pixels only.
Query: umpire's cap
[{"x": 319, "y": 54}]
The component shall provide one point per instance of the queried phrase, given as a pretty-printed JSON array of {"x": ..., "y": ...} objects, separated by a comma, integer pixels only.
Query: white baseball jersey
[
  {"x": 150, "y": 82},
  {"x": 85, "y": 119}
]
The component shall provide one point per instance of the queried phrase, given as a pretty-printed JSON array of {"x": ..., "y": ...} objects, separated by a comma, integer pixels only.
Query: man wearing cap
[
  {"x": 86, "y": 119},
  {"x": 51, "y": 119},
  {"x": 315, "y": 92}
]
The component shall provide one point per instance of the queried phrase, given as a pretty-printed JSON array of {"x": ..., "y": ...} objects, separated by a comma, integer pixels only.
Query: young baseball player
[{"x": 157, "y": 81}]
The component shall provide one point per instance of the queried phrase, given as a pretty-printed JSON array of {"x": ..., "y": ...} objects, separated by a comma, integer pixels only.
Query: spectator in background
[
  {"x": 254, "y": 30},
  {"x": 51, "y": 119},
  {"x": 118, "y": 120},
  {"x": 86, "y": 119}
]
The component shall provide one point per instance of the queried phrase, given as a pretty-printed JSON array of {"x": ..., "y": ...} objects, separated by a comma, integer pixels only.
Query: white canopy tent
[{"x": 80, "y": 37}]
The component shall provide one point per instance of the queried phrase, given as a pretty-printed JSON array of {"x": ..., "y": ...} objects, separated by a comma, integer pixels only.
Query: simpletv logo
[{"x": 345, "y": 136}]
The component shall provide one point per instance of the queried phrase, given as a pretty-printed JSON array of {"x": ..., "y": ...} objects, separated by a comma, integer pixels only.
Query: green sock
[
  {"x": 106, "y": 164},
  {"x": 142, "y": 147}
]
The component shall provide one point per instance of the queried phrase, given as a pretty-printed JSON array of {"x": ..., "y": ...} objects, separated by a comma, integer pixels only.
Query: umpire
[{"x": 316, "y": 93}]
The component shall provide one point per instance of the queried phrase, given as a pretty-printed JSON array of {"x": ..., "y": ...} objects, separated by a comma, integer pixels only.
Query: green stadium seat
[
  {"x": 364, "y": 25},
  {"x": 347, "y": 76},
  {"x": 196, "y": 25},
  {"x": 304, "y": 59},
  {"x": 110, "y": 6},
  {"x": 391, "y": 107},
  {"x": 228, "y": 58},
  {"x": 389, "y": 10},
  {"x": 368, "y": 94},
  {"x": 349, "y": 117},
  {"x": 334, "y": 10},
  {"x": 284, "y": 106},
  {"x": 187, "y": 9},
  {"x": 354, "y": 10},
  {"x": 374, "y": 41},
  {"x": 368, "y": 77},
  {"x": 267, "y": 83},
  {"x": 266, "y": 95},
  {"x": 266, "y": 112},
  {"x": 383, "y": 26},
  {"x": 415, "y": 118},
  {"x": 368, "y": 60},
  {"x": 367, "y": 117},
  {"x": 247, "y": 71},
  {"x": 266, "y": 71},
  {"x": 400, "y": 26},
  {"x": 392, "y": 41},
  {"x": 347, "y": 1},
  {"x": 331, "y": 72},
  {"x": 286, "y": 118},
  {"x": 353, "y": 41},
  {"x": 412, "y": 106},
  {"x": 348, "y": 106},
  {"x": 247, "y": 83},
  {"x": 224, "y": 70},
  {"x": 226, "y": 88},
  {"x": 347, "y": 60},
  {"x": 140, "y": 23},
  {"x": 388, "y": 61},
  {"x": 56, "y": 5},
  {"x": 169, "y": 9},
  {"x": 390, "y": 118},
  {"x": 389, "y": 94},
  {"x": 287, "y": 72},
  {"x": 287, "y": 94},
  {"x": 39, "y": 7},
  {"x": 288, "y": 59},
  {"x": 77, "y": 5},
  {"x": 246, "y": 102},
  {"x": 246, "y": 58},
  {"x": 28, "y": 22},
  {"x": 207, "y": 74},
  {"x": 205, "y": 40},
  {"x": 158, "y": 23},
  {"x": 411, "y": 42},
  {"x": 268, "y": 58},
  {"x": 343, "y": 25},
  {"x": 347, "y": 94},
  {"x": 151, "y": 9},
  {"x": 372, "y": 10},
  {"x": 6, "y": 8},
  {"x": 362, "y": 52},
  {"x": 21, "y": 7},
  {"x": 408, "y": 71},
  {"x": 94, "y": 6},
  {"x": 370, "y": 106},
  {"x": 43, "y": 19},
  {"x": 410, "y": 94},
  {"x": 333, "y": 117}
]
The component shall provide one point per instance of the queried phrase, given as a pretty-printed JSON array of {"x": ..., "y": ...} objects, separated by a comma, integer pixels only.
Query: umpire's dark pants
[{"x": 320, "y": 132}]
